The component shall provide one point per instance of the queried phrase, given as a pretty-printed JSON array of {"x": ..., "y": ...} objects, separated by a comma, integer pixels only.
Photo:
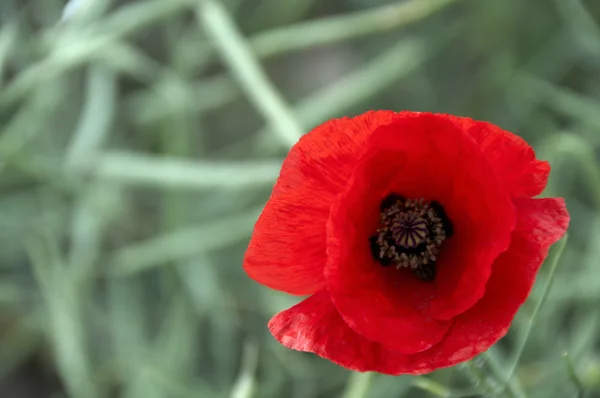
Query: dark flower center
[{"x": 411, "y": 234}]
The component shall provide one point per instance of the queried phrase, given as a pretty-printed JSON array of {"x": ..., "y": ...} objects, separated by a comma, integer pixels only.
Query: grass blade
[
  {"x": 243, "y": 64},
  {"x": 573, "y": 376},
  {"x": 553, "y": 260},
  {"x": 358, "y": 385}
]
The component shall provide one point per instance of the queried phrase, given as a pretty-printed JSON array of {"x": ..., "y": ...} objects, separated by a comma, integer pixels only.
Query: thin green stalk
[
  {"x": 573, "y": 376},
  {"x": 553, "y": 260},
  {"x": 476, "y": 369},
  {"x": 334, "y": 29},
  {"x": 98, "y": 112},
  {"x": 182, "y": 244},
  {"x": 432, "y": 387},
  {"x": 358, "y": 385},
  {"x": 512, "y": 386},
  {"x": 165, "y": 172},
  {"x": 243, "y": 64},
  {"x": 246, "y": 382},
  {"x": 63, "y": 299},
  {"x": 8, "y": 37}
]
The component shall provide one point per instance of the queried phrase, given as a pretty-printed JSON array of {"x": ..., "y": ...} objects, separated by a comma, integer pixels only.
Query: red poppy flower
[{"x": 415, "y": 235}]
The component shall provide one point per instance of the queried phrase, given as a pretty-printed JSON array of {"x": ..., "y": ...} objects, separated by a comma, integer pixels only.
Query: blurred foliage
[{"x": 140, "y": 139}]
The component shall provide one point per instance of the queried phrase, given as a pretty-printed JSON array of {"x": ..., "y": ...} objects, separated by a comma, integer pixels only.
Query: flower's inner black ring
[{"x": 411, "y": 234}]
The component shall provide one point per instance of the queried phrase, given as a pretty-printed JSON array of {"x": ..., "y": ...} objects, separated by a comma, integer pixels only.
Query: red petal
[
  {"x": 417, "y": 156},
  {"x": 540, "y": 223},
  {"x": 288, "y": 249},
  {"x": 314, "y": 325},
  {"x": 512, "y": 158}
]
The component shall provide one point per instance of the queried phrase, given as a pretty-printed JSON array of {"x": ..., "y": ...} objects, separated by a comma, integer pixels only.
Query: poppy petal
[
  {"x": 315, "y": 325},
  {"x": 540, "y": 223},
  {"x": 513, "y": 159},
  {"x": 288, "y": 247},
  {"x": 390, "y": 306}
]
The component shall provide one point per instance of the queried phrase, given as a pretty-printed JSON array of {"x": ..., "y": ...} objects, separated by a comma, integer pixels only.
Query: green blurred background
[{"x": 139, "y": 141}]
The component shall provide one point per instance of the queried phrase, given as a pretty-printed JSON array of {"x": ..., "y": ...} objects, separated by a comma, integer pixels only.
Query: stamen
[{"x": 410, "y": 235}]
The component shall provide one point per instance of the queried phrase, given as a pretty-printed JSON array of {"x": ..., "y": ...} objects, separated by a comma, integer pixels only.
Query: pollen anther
[{"x": 411, "y": 234}]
